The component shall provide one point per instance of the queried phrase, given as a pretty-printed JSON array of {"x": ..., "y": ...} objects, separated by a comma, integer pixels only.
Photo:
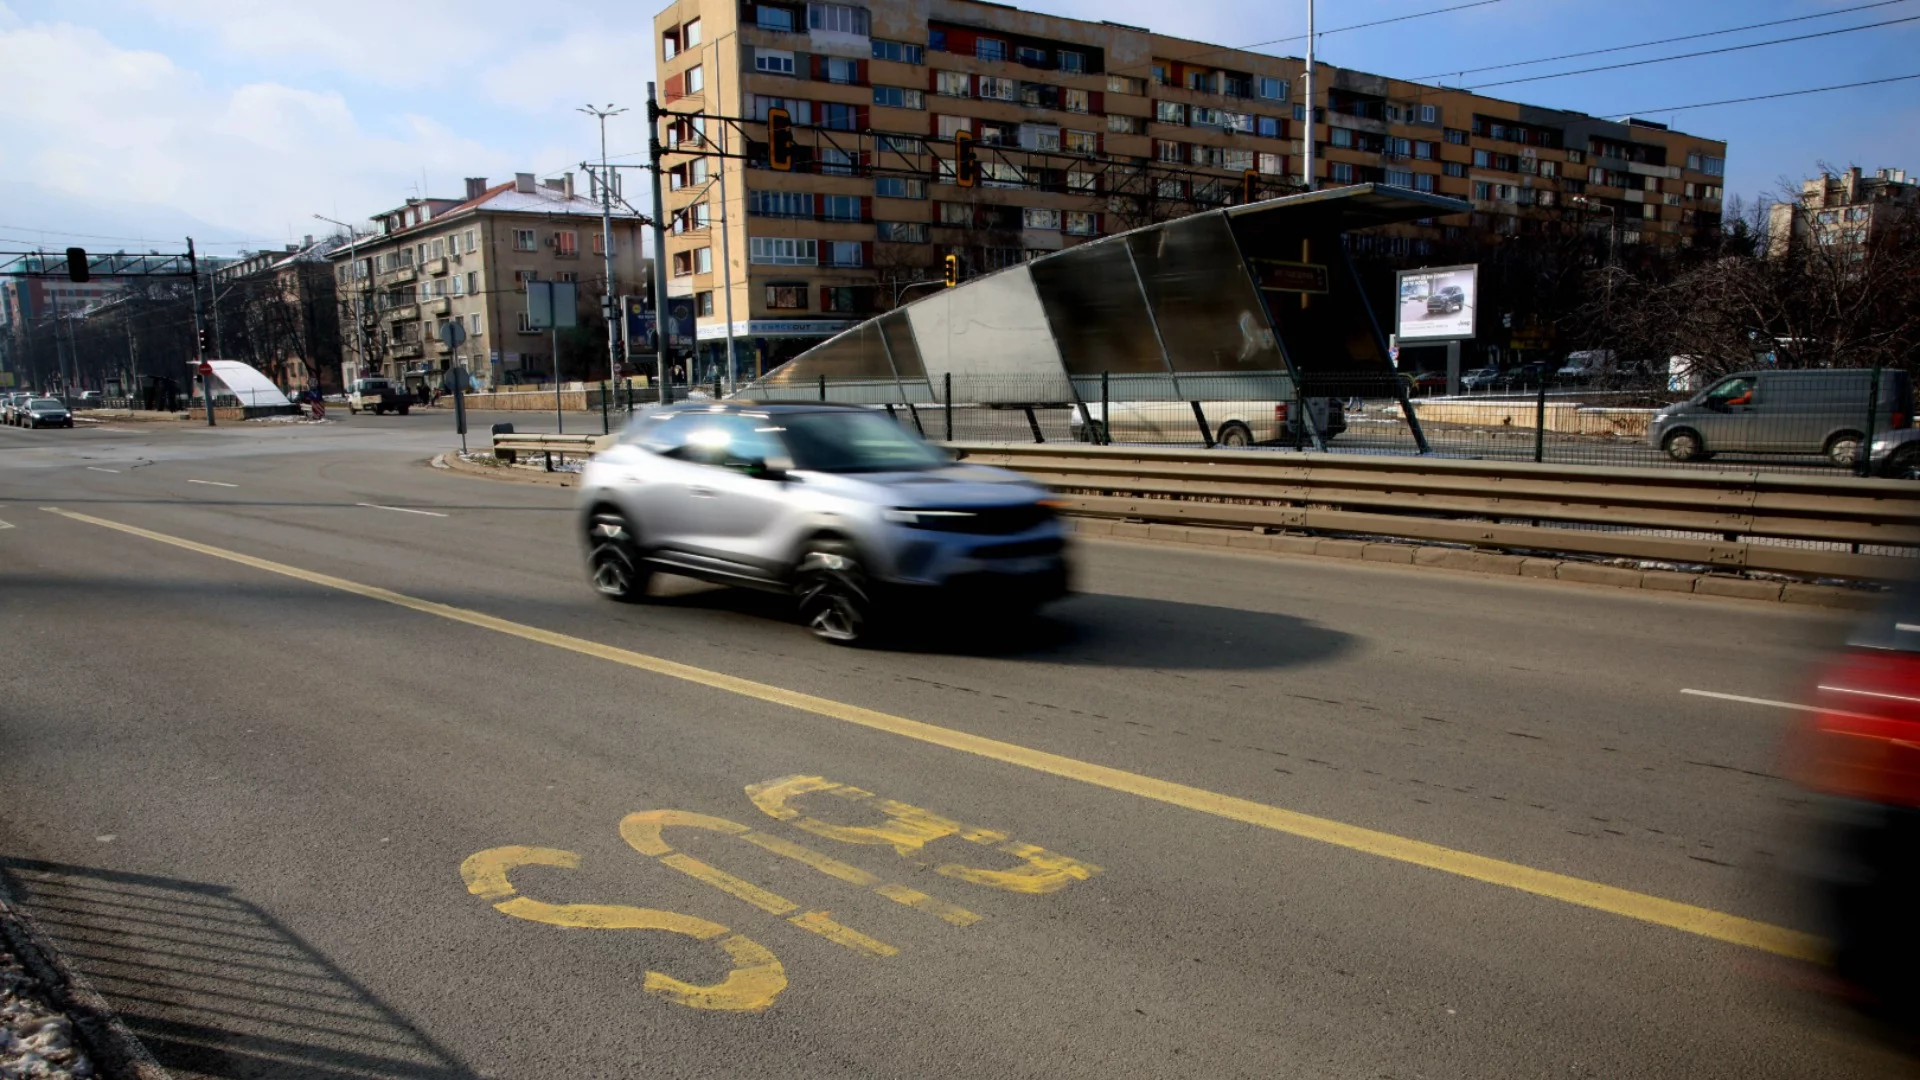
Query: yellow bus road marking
[
  {"x": 772, "y": 903},
  {"x": 818, "y": 922},
  {"x": 1689, "y": 918}
]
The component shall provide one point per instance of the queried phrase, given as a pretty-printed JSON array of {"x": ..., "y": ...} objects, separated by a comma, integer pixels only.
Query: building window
[
  {"x": 1080, "y": 142},
  {"x": 1456, "y": 136},
  {"x": 845, "y": 72},
  {"x": 1126, "y": 84},
  {"x": 1271, "y": 164},
  {"x": 1202, "y": 81},
  {"x": 566, "y": 243},
  {"x": 899, "y": 187},
  {"x": 1030, "y": 56},
  {"x": 773, "y": 61},
  {"x": 1454, "y": 168},
  {"x": 1169, "y": 151},
  {"x": 526, "y": 324},
  {"x": 703, "y": 301},
  {"x": 567, "y": 275},
  {"x": 899, "y": 52},
  {"x": 838, "y": 18},
  {"x": 780, "y": 251},
  {"x": 999, "y": 89},
  {"x": 835, "y": 162},
  {"x": 953, "y": 125},
  {"x": 1270, "y": 88},
  {"x": 1240, "y": 86},
  {"x": 780, "y": 203},
  {"x": 1268, "y": 127},
  {"x": 696, "y": 79},
  {"x": 953, "y": 213},
  {"x": 787, "y": 297},
  {"x": 768, "y": 17},
  {"x": 524, "y": 240},
  {"x": 987, "y": 48},
  {"x": 1170, "y": 112},
  {"x": 474, "y": 325},
  {"x": 459, "y": 285},
  {"x": 1082, "y": 182},
  {"x": 840, "y": 299},
  {"x": 840, "y": 208},
  {"x": 902, "y": 232},
  {"x": 843, "y": 253},
  {"x": 839, "y": 117},
  {"x": 1071, "y": 61},
  {"x": 1125, "y": 125},
  {"x": 703, "y": 260},
  {"x": 1400, "y": 177},
  {"x": 1083, "y": 223},
  {"x": 1429, "y": 114},
  {"x": 1039, "y": 137},
  {"x": 690, "y": 34},
  {"x": 899, "y": 97},
  {"x": 953, "y": 84},
  {"x": 521, "y": 277},
  {"x": 1076, "y": 101},
  {"x": 1036, "y": 218},
  {"x": 1340, "y": 172}
]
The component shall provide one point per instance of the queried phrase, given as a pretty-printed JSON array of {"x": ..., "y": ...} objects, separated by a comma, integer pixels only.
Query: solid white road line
[
  {"x": 399, "y": 509},
  {"x": 4, "y": 525},
  {"x": 212, "y": 483},
  {"x": 1752, "y": 700},
  {"x": 96, "y": 468}
]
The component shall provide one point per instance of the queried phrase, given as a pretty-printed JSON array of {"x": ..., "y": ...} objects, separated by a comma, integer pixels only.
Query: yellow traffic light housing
[
  {"x": 953, "y": 270},
  {"x": 780, "y": 139}
]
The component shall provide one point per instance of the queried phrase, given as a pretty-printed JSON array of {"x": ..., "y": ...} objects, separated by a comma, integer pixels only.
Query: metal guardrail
[
  {"x": 508, "y": 445},
  {"x": 1815, "y": 526}
]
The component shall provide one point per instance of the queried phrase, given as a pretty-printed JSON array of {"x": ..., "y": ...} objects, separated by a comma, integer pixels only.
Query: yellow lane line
[{"x": 1626, "y": 903}]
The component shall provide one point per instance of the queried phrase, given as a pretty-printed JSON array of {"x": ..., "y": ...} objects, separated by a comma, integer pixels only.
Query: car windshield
[
  {"x": 43, "y": 403},
  {"x": 849, "y": 441}
]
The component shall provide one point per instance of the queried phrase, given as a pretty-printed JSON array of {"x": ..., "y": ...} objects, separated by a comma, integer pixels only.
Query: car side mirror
[{"x": 765, "y": 469}]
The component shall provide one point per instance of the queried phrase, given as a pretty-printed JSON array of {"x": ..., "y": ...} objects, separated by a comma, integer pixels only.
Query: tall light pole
[
  {"x": 608, "y": 306},
  {"x": 1309, "y": 94},
  {"x": 359, "y": 320}
]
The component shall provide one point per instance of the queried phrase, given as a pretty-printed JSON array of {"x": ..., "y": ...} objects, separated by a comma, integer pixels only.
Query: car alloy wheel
[
  {"x": 835, "y": 597},
  {"x": 1844, "y": 449},
  {"x": 1234, "y": 433},
  {"x": 613, "y": 566},
  {"x": 1683, "y": 446},
  {"x": 1905, "y": 463}
]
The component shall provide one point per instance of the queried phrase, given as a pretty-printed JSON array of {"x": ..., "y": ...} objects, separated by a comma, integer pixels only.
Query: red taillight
[
  {"x": 1864, "y": 743},
  {"x": 1901, "y": 420},
  {"x": 1280, "y": 413}
]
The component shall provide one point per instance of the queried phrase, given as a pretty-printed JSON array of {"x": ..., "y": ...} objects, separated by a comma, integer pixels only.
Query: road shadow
[
  {"x": 213, "y": 985},
  {"x": 1085, "y": 630}
]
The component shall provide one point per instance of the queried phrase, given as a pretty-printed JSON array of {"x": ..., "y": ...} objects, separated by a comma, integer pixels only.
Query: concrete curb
[
  {"x": 1486, "y": 562},
  {"x": 452, "y": 462},
  {"x": 116, "y": 1052}
]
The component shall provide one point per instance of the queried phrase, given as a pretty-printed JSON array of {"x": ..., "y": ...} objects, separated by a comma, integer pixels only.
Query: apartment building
[
  {"x": 1081, "y": 129},
  {"x": 31, "y": 310},
  {"x": 434, "y": 261},
  {"x": 1846, "y": 211},
  {"x": 277, "y": 309}
]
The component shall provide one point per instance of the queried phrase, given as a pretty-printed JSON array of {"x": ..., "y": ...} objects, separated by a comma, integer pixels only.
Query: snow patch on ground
[
  {"x": 36, "y": 1041},
  {"x": 527, "y": 462}
]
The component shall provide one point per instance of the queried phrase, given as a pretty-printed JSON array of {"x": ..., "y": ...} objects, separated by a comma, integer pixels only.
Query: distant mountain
[{"x": 33, "y": 217}]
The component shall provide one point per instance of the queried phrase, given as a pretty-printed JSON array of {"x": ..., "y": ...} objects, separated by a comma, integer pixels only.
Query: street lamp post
[
  {"x": 353, "y": 256},
  {"x": 607, "y": 306}
]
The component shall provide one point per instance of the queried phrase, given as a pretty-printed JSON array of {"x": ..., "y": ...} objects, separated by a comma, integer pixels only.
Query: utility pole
[
  {"x": 1308, "y": 157},
  {"x": 199, "y": 342},
  {"x": 726, "y": 255},
  {"x": 608, "y": 306},
  {"x": 359, "y": 320},
  {"x": 661, "y": 367}
]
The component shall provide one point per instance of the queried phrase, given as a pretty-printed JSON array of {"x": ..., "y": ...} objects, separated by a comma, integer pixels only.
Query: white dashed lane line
[
  {"x": 213, "y": 483},
  {"x": 1744, "y": 700},
  {"x": 96, "y": 468},
  {"x": 399, "y": 509}
]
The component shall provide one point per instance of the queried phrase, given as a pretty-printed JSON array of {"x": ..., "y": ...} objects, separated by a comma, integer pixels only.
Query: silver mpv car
[{"x": 856, "y": 517}]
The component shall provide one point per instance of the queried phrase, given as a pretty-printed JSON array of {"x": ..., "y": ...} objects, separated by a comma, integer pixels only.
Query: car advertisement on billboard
[{"x": 1437, "y": 304}]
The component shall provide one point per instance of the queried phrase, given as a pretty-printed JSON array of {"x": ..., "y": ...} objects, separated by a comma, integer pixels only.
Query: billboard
[{"x": 1436, "y": 304}]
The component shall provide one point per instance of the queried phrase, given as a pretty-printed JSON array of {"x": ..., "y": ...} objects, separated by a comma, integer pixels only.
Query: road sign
[
  {"x": 552, "y": 304},
  {"x": 205, "y": 368},
  {"x": 453, "y": 333},
  {"x": 1393, "y": 354}
]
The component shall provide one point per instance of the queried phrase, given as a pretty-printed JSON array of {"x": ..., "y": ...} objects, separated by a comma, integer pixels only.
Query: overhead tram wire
[
  {"x": 1658, "y": 41},
  {"x": 1688, "y": 56},
  {"x": 1768, "y": 97}
]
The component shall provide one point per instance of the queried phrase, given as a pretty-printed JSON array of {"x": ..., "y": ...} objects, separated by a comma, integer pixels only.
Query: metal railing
[{"x": 1834, "y": 526}]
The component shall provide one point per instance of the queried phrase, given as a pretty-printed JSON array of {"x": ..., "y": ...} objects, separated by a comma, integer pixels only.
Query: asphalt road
[{"x": 333, "y": 767}]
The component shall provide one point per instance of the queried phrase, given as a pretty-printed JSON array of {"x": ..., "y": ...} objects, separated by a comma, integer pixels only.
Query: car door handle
[{"x": 699, "y": 492}]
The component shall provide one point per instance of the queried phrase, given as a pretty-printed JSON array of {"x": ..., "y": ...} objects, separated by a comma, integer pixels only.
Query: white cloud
[
  {"x": 580, "y": 67},
  {"x": 260, "y": 157}
]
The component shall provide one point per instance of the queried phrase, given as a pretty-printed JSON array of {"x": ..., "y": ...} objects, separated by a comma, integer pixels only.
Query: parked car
[
  {"x": 1858, "y": 749},
  {"x": 1232, "y": 423},
  {"x": 45, "y": 412},
  {"x": 1528, "y": 376},
  {"x": 1584, "y": 366},
  {"x": 840, "y": 507},
  {"x": 1446, "y": 300},
  {"x": 1429, "y": 382},
  {"x": 91, "y": 399},
  {"x": 378, "y": 396},
  {"x": 10, "y": 407},
  {"x": 1817, "y": 411},
  {"x": 1480, "y": 379}
]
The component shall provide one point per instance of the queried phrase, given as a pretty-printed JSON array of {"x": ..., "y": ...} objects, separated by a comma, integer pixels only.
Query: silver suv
[{"x": 854, "y": 516}]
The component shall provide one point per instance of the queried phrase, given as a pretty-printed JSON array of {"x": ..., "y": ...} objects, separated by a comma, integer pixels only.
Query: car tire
[
  {"x": 613, "y": 560},
  {"x": 1904, "y": 463},
  {"x": 1684, "y": 444},
  {"x": 1235, "y": 435},
  {"x": 834, "y": 595},
  {"x": 403, "y": 409},
  {"x": 353, "y": 410},
  {"x": 1843, "y": 449},
  {"x": 1095, "y": 433}
]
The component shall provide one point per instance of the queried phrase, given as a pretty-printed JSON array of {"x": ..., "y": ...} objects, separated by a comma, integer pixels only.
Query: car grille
[
  {"x": 988, "y": 521},
  {"x": 1021, "y": 549}
]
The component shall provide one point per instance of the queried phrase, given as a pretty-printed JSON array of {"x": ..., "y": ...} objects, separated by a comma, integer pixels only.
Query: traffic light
[
  {"x": 953, "y": 271},
  {"x": 1249, "y": 186},
  {"x": 966, "y": 166},
  {"x": 780, "y": 139},
  {"x": 205, "y": 337},
  {"x": 77, "y": 266}
]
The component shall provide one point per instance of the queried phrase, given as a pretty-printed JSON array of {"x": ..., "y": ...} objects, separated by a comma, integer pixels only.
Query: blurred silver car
[{"x": 857, "y": 518}]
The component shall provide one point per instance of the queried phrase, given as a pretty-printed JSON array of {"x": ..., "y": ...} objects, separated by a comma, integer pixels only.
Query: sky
[{"x": 130, "y": 124}]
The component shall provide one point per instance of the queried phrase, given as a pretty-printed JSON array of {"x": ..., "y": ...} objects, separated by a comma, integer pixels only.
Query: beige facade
[
  {"x": 1083, "y": 129},
  {"x": 1848, "y": 211},
  {"x": 435, "y": 261}
]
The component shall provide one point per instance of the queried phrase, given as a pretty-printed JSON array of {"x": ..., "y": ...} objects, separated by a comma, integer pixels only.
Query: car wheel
[
  {"x": 613, "y": 560},
  {"x": 834, "y": 594},
  {"x": 1683, "y": 445},
  {"x": 1236, "y": 434},
  {"x": 1905, "y": 463},
  {"x": 403, "y": 409},
  {"x": 1095, "y": 433},
  {"x": 1844, "y": 449},
  {"x": 353, "y": 410}
]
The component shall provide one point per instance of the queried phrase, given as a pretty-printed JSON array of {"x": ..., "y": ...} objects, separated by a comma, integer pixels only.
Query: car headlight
[
  {"x": 1882, "y": 444},
  {"x": 915, "y": 517}
]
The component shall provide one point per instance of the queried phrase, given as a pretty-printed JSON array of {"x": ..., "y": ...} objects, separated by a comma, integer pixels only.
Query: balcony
[
  {"x": 400, "y": 276},
  {"x": 434, "y": 267},
  {"x": 436, "y": 307},
  {"x": 403, "y": 314},
  {"x": 405, "y": 350}
]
